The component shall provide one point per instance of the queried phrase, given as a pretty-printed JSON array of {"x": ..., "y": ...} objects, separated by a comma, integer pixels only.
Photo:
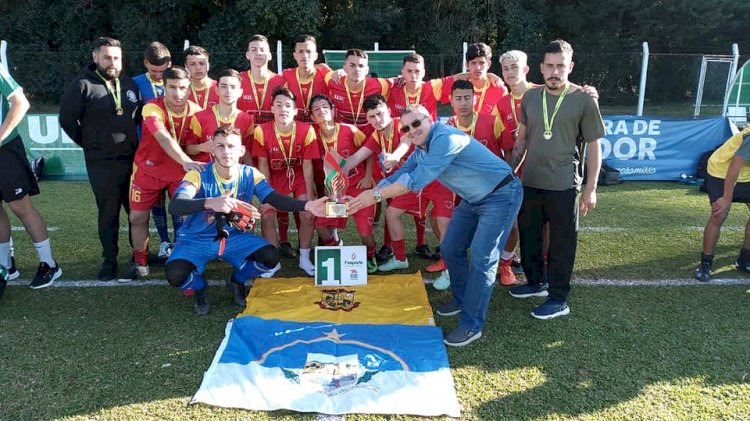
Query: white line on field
[{"x": 17, "y": 228}]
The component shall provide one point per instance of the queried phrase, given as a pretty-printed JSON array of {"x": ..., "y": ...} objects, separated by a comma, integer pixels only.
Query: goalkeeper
[{"x": 220, "y": 220}]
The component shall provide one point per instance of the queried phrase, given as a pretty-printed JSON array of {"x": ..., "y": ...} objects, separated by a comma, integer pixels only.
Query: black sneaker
[
  {"x": 200, "y": 305},
  {"x": 449, "y": 309},
  {"x": 703, "y": 271},
  {"x": 742, "y": 264},
  {"x": 239, "y": 292},
  {"x": 424, "y": 251},
  {"x": 13, "y": 272},
  {"x": 529, "y": 290},
  {"x": 461, "y": 337},
  {"x": 288, "y": 251},
  {"x": 384, "y": 254},
  {"x": 108, "y": 271},
  {"x": 45, "y": 276}
]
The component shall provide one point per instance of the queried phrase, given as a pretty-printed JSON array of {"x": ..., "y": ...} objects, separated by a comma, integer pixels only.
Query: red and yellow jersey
[
  {"x": 509, "y": 108},
  {"x": 151, "y": 157},
  {"x": 206, "y": 97},
  {"x": 486, "y": 97},
  {"x": 285, "y": 150},
  {"x": 304, "y": 90},
  {"x": 429, "y": 94},
  {"x": 256, "y": 96},
  {"x": 348, "y": 103},
  {"x": 485, "y": 128},
  {"x": 346, "y": 140},
  {"x": 204, "y": 123},
  {"x": 386, "y": 141}
]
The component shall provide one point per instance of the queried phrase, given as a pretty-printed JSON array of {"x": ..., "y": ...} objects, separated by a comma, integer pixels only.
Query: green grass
[{"x": 623, "y": 353}]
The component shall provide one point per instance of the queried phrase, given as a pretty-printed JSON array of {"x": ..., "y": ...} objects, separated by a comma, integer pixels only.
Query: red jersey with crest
[
  {"x": 486, "y": 97},
  {"x": 285, "y": 151},
  {"x": 205, "y": 98},
  {"x": 429, "y": 94},
  {"x": 509, "y": 108},
  {"x": 256, "y": 96},
  {"x": 304, "y": 90},
  {"x": 485, "y": 128},
  {"x": 347, "y": 103},
  {"x": 150, "y": 157},
  {"x": 346, "y": 140},
  {"x": 204, "y": 123}
]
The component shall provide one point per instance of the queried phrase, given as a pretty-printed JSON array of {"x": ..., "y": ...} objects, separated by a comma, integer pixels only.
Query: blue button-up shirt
[{"x": 458, "y": 161}]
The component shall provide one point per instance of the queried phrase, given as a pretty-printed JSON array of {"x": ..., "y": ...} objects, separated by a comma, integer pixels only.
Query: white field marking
[
  {"x": 602, "y": 229},
  {"x": 723, "y": 228},
  {"x": 591, "y": 282},
  {"x": 17, "y": 228}
]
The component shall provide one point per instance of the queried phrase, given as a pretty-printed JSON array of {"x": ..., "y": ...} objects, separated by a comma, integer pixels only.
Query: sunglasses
[{"x": 414, "y": 125}]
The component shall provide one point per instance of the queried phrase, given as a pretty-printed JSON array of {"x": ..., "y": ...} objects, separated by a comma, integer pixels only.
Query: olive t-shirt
[{"x": 557, "y": 163}]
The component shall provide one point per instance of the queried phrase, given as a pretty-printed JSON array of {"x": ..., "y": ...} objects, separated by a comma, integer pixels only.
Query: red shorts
[
  {"x": 409, "y": 203},
  {"x": 442, "y": 199},
  {"x": 294, "y": 183},
  {"x": 146, "y": 191}
]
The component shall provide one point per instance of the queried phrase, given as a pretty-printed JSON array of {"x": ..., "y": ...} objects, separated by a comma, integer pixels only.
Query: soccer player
[
  {"x": 487, "y": 94},
  {"x": 491, "y": 197},
  {"x": 285, "y": 149},
  {"x": 306, "y": 80},
  {"x": 209, "y": 194},
  {"x": 198, "y": 143},
  {"x": 160, "y": 162},
  {"x": 514, "y": 67},
  {"x": 555, "y": 125},
  {"x": 259, "y": 82},
  {"x": 415, "y": 90},
  {"x": 17, "y": 185},
  {"x": 202, "y": 87},
  {"x": 344, "y": 139}
]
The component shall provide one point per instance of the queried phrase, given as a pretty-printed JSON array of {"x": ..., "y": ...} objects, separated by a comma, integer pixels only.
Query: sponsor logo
[{"x": 131, "y": 96}]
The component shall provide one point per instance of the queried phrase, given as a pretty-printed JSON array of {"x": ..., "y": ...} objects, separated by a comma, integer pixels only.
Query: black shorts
[
  {"x": 715, "y": 189},
  {"x": 17, "y": 178}
]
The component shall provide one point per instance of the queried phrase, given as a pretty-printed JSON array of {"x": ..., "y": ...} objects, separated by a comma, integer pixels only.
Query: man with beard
[{"x": 98, "y": 111}]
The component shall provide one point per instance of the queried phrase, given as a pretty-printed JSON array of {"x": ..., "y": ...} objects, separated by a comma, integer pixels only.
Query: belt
[{"x": 508, "y": 178}]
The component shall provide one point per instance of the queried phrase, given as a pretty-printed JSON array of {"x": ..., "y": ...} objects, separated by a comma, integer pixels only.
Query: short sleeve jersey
[
  {"x": 486, "y": 97},
  {"x": 148, "y": 88},
  {"x": 556, "y": 164},
  {"x": 387, "y": 141},
  {"x": 205, "y": 98},
  {"x": 739, "y": 145},
  {"x": 204, "y": 123},
  {"x": 256, "y": 96},
  {"x": 285, "y": 151},
  {"x": 429, "y": 94},
  {"x": 508, "y": 109},
  {"x": 485, "y": 128},
  {"x": 150, "y": 156},
  {"x": 304, "y": 90},
  {"x": 208, "y": 183},
  {"x": 348, "y": 103},
  {"x": 346, "y": 140},
  {"x": 8, "y": 87}
]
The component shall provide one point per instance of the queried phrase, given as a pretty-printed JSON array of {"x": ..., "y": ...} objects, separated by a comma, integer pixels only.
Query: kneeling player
[{"x": 222, "y": 191}]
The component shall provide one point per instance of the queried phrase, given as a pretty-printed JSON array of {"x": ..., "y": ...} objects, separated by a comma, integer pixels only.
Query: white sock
[
  {"x": 5, "y": 255},
  {"x": 304, "y": 254},
  {"x": 12, "y": 249},
  {"x": 506, "y": 255},
  {"x": 44, "y": 251}
]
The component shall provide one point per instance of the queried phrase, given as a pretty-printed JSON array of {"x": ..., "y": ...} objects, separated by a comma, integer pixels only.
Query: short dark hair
[
  {"x": 374, "y": 101},
  {"x": 320, "y": 97},
  {"x": 229, "y": 73},
  {"x": 157, "y": 54},
  {"x": 303, "y": 38},
  {"x": 194, "y": 50},
  {"x": 558, "y": 46},
  {"x": 258, "y": 37},
  {"x": 226, "y": 131},
  {"x": 176, "y": 72},
  {"x": 283, "y": 90},
  {"x": 413, "y": 58},
  {"x": 356, "y": 52},
  {"x": 106, "y": 42},
  {"x": 462, "y": 84},
  {"x": 478, "y": 49}
]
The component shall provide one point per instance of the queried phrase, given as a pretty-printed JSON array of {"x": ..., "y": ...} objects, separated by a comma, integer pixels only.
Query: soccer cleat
[
  {"x": 108, "y": 271},
  {"x": 424, "y": 251},
  {"x": 438, "y": 266},
  {"x": 385, "y": 253},
  {"x": 516, "y": 266},
  {"x": 394, "y": 264},
  {"x": 13, "y": 272},
  {"x": 238, "y": 290},
  {"x": 136, "y": 271},
  {"x": 45, "y": 276},
  {"x": 189, "y": 292},
  {"x": 200, "y": 304},
  {"x": 442, "y": 282},
  {"x": 372, "y": 265},
  {"x": 288, "y": 251},
  {"x": 307, "y": 266},
  {"x": 271, "y": 272},
  {"x": 165, "y": 249},
  {"x": 436, "y": 254},
  {"x": 550, "y": 309},
  {"x": 505, "y": 272},
  {"x": 742, "y": 263},
  {"x": 449, "y": 309},
  {"x": 529, "y": 290},
  {"x": 703, "y": 271},
  {"x": 461, "y": 337}
]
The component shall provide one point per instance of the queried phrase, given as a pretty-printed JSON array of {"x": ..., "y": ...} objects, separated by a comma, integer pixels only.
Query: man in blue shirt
[{"x": 490, "y": 200}]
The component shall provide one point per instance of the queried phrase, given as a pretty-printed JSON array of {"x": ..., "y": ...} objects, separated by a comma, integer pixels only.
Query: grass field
[{"x": 638, "y": 352}]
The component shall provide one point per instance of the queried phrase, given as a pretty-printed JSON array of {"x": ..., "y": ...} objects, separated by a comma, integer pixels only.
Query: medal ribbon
[
  {"x": 309, "y": 93},
  {"x": 172, "y": 127},
  {"x": 220, "y": 120},
  {"x": 116, "y": 93},
  {"x": 260, "y": 103},
  {"x": 548, "y": 122},
  {"x": 153, "y": 85},
  {"x": 481, "y": 97},
  {"x": 287, "y": 158},
  {"x": 361, "y": 101},
  {"x": 221, "y": 185},
  {"x": 334, "y": 136},
  {"x": 418, "y": 96},
  {"x": 195, "y": 95},
  {"x": 472, "y": 127}
]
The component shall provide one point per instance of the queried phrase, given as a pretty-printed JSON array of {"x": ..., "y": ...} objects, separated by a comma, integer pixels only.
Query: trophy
[{"x": 336, "y": 183}]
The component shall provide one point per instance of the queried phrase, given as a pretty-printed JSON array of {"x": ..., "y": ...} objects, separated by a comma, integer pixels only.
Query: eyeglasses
[{"x": 413, "y": 125}]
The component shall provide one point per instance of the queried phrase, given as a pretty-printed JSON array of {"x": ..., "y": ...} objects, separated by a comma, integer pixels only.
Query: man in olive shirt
[{"x": 557, "y": 121}]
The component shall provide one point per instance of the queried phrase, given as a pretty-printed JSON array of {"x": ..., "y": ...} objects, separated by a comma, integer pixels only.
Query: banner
[
  {"x": 43, "y": 136},
  {"x": 330, "y": 369},
  {"x": 651, "y": 148}
]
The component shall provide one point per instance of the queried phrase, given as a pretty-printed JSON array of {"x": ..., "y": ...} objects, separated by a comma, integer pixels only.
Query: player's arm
[
  {"x": 593, "y": 166},
  {"x": 390, "y": 160},
  {"x": 367, "y": 181},
  {"x": 519, "y": 149},
  {"x": 721, "y": 206},
  {"x": 18, "y": 107},
  {"x": 356, "y": 158},
  {"x": 495, "y": 80}
]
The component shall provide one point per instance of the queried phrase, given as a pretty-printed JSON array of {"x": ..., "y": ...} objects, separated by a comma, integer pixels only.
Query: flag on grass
[{"x": 330, "y": 368}]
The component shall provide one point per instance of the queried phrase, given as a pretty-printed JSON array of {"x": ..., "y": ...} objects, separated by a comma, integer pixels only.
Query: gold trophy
[{"x": 336, "y": 183}]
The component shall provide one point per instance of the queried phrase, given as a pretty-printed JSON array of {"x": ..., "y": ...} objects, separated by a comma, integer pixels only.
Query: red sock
[
  {"x": 419, "y": 225},
  {"x": 140, "y": 257},
  {"x": 283, "y": 219},
  {"x": 370, "y": 253},
  {"x": 386, "y": 234},
  {"x": 399, "y": 249}
]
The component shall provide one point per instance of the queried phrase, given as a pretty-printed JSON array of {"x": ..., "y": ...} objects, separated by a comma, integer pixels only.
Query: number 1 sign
[{"x": 345, "y": 265}]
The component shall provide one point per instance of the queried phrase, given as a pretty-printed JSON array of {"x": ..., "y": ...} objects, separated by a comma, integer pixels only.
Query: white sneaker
[
  {"x": 442, "y": 282},
  {"x": 165, "y": 249},
  {"x": 307, "y": 266},
  {"x": 394, "y": 264},
  {"x": 271, "y": 272}
]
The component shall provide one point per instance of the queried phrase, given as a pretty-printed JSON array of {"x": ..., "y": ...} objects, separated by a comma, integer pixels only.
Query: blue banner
[{"x": 651, "y": 148}]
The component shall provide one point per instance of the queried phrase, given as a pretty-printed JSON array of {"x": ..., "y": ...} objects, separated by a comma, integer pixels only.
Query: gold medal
[
  {"x": 119, "y": 111},
  {"x": 548, "y": 122},
  {"x": 547, "y": 134}
]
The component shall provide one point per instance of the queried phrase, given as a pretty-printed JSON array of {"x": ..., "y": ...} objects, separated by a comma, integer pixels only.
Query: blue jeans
[{"x": 482, "y": 227}]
